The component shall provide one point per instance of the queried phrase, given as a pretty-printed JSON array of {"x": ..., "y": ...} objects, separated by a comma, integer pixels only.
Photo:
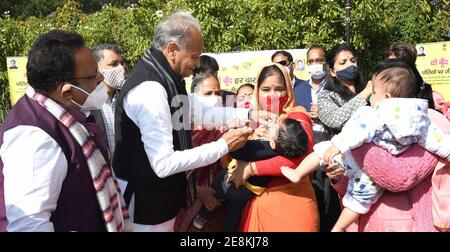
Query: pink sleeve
[{"x": 399, "y": 173}]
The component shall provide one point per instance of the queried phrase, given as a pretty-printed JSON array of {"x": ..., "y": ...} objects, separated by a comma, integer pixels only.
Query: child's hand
[
  {"x": 291, "y": 174},
  {"x": 330, "y": 153}
]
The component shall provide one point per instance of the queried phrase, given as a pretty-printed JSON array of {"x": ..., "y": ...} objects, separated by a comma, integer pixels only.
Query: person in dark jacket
[{"x": 407, "y": 53}]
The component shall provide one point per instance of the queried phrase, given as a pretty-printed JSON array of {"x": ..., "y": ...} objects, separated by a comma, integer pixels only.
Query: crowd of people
[{"x": 92, "y": 146}]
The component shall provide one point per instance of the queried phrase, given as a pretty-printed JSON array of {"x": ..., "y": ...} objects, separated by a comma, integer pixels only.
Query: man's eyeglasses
[
  {"x": 315, "y": 61},
  {"x": 91, "y": 77},
  {"x": 284, "y": 62}
]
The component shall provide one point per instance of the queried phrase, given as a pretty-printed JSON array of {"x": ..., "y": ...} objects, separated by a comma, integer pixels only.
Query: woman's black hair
[
  {"x": 335, "y": 84},
  {"x": 268, "y": 71},
  {"x": 245, "y": 85},
  {"x": 207, "y": 64},
  {"x": 407, "y": 53}
]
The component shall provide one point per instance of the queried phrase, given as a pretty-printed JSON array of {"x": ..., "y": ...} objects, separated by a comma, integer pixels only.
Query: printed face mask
[
  {"x": 114, "y": 77},
  {"x": 209, "y": 101}
]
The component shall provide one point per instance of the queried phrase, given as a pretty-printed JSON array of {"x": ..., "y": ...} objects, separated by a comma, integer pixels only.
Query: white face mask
[
  {"x": 95, "y": 100},
  {"x": 210, "y": 101},
  {"x": 114, "y": 77},
  {"x": 316, "y": 71}
]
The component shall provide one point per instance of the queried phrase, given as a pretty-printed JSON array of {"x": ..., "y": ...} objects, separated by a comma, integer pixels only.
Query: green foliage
[
  {"x": 22, "y": 9},
  {"x": 227, "y": 25}
]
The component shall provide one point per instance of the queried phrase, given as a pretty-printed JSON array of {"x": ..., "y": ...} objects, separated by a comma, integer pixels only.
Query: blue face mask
[{"x": 348, "y": 74}]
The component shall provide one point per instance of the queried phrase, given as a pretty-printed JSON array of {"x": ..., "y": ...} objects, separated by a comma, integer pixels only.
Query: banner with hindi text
[
  {"x": 237, "y": 68},
  {"x": 433, "y": 65},
  {"x": 17, "y": 76}
]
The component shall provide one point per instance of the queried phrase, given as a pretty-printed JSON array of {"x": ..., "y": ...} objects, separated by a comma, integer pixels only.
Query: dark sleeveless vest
[
  {"x": 77, "y": 207},
  {"x": 156, "y": 199}
]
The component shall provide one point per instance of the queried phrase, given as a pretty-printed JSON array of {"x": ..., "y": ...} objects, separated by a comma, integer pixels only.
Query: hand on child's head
[
  {"x": 274, "y": 130},
  {"x": 267, "y": 131}
]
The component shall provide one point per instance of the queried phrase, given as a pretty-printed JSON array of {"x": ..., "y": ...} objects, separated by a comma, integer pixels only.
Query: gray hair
[
  {"x": 198, "y": 79},
  {"x": 174, "y": 29},
  {"x": 98, "y": 50}
]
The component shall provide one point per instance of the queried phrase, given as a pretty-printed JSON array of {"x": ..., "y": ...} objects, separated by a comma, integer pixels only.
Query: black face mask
[{"x": 348, "y": 74}]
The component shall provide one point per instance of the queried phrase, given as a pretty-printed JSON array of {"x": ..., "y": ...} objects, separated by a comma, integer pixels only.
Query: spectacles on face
[
  {"x": 284, "y": 63},
  {"x": 91, "y": 77},
  {"x": 315, "y": 61}
]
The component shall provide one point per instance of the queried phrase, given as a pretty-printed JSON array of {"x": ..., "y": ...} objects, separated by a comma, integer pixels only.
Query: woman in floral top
[{"x": 345, "y": 92}]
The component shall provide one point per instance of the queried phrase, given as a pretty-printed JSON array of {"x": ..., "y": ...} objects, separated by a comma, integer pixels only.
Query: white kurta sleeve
[
  {"x": 34, "y": 170},
  {"x": 147, "y": 106}
]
